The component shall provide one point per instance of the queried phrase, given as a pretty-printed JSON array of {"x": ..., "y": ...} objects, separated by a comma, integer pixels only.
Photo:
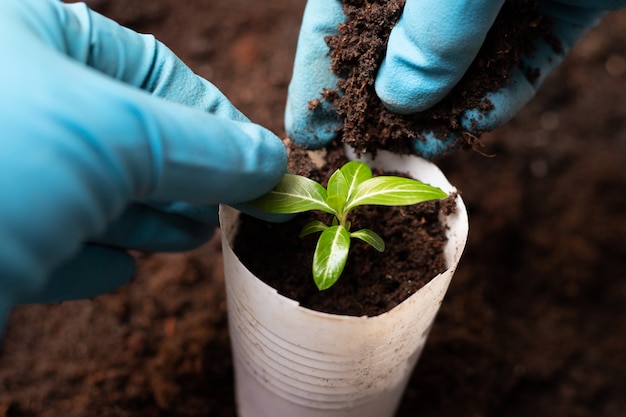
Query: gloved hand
[
  {"x": 108, "y": 142},
  {"x": 428, "y": 52}
]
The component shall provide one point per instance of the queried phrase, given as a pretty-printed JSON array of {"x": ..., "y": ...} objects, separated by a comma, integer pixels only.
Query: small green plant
[{"x": 349, "y": 187}]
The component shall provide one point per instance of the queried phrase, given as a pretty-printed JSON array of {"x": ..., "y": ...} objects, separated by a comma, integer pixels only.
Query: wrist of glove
[
  {"x": 428, "y": 52},
  {"x": 109, "y": 143}
]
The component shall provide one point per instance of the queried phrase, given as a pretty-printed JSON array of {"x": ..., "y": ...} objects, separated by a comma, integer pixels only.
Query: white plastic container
[{"x": 291, "y": 361}]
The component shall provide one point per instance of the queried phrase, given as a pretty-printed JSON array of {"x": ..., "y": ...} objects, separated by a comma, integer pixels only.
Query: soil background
[{"x": 534, "y": 323}]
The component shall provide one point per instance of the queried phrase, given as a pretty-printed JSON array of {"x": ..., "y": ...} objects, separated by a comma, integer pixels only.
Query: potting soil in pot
[{"x": 372, "y": 282}]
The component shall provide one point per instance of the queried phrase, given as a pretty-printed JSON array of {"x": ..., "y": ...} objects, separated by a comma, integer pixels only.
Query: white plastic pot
[{"x": 291, "y": 361}]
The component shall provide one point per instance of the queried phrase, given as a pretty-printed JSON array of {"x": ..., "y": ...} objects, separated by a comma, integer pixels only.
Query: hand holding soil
[{"x": 425, "y": 77}]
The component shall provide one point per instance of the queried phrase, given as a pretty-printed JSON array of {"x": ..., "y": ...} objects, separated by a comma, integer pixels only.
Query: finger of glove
[
  {"x": 136, "y": 59},
  {"x": 93, "y": 271},
  {"x": 159, "y": 150},
  {"x": 142, "y": 61},
  {"x": 99, "y": 144},
  {"x": 313, "y": 126},
  {"x": 200, "y": 213},
  {"x": 430, "y": 49},
  {"x": 149, "y": 229},
  {"x": 568, "y": 25},
  {"x": 432, "y": 147}
]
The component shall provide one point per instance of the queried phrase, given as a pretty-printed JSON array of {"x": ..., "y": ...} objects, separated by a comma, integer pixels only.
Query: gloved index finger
[
  {"x": 430, "y": 49},
  {"x": 139, "y": 60},
  {"x": 99, "y": 145}
]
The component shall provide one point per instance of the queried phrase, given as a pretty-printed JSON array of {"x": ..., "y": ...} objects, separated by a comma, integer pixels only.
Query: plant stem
[{"x": 343, "y": 220}]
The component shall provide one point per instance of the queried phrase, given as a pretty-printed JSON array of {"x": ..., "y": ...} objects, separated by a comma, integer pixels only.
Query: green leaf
[
  {"x": 330, "y": 256},
  {"x": 336, "y": 202},
  {"x": 393, "y": 191},
  {"x": 370, "y": 237},
  {"x": 355, "y": 172},
  {"x": 337, "y": 191},
  {"x": 294, "y": 194},
  {"x": 313, "y": 227}
]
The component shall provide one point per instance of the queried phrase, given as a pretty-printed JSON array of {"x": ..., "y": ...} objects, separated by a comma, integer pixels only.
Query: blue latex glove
[
  {"x": 108, "y": 142},
  {"x": 428, "y": 52}
]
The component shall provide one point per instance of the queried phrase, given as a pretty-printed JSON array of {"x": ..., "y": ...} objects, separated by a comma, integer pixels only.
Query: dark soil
[
  {"x": 372, "y": 282},
  {"x": 359, "y": 47},
  {"x": 533, "y": 323}
]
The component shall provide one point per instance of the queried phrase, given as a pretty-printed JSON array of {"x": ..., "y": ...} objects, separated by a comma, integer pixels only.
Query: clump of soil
[
  {"x": 359, "y": 48},
  {"x": 372, "y": 282}
]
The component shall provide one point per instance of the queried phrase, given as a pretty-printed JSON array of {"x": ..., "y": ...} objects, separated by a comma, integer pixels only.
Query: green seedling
[{"x": 349, "y": 187}]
